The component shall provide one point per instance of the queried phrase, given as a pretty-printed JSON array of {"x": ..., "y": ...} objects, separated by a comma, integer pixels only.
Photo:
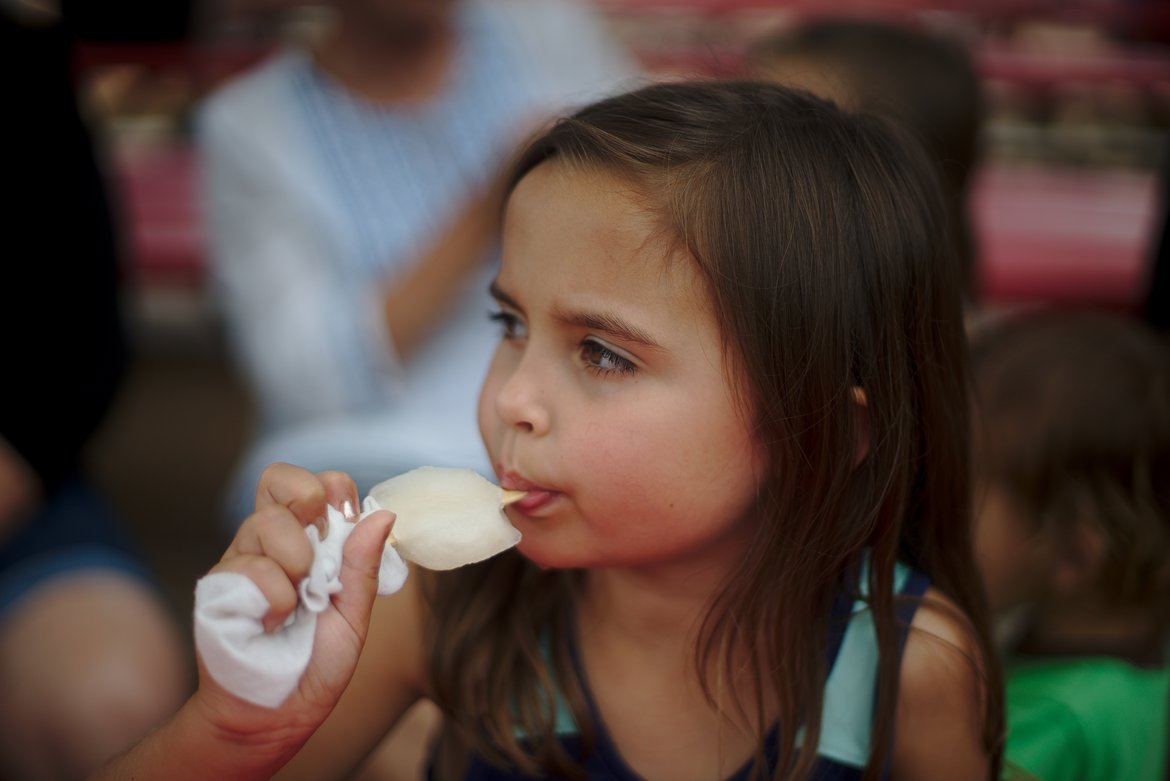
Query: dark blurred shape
[
  {"x": 83, "y": 631},
  {"x": 925, "y": 82},
  {"x": 129, "y": 20},
  {"x": 60, "y": 302}
]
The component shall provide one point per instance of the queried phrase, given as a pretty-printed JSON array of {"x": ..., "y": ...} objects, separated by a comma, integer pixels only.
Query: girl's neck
[
  {"x": 665, "y": 600},
  {"x": 640, "y": 629},
  {"x": 386, "y": 66},
  {"x": 641, "y": 608}
]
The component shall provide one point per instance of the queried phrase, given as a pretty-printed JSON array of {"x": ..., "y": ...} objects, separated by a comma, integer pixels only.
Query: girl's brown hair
[{"x": 821, "y": 242}]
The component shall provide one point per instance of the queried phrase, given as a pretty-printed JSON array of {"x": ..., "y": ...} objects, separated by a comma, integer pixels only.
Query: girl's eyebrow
[
  {"x": 609, "y": 323},
  {"x": 498, "y": 293},
  {"x": 606, "y": 322}
]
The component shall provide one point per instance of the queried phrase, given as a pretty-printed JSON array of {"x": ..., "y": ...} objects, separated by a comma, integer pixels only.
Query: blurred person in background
[
  {"x": 352, "y": 196},
  {"x": 90, "y": 655},
  {"x": 1072, "y": 433},
  {"x": 922, "y": 80}
]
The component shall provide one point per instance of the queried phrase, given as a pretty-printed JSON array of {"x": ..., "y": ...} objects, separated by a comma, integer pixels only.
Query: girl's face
[{"x": 607, "y": 398}]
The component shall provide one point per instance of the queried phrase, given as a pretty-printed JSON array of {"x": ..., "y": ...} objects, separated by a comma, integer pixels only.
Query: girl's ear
[
  {"x": 861, "y": 411},
  {"x": 1078, "y": 560}
]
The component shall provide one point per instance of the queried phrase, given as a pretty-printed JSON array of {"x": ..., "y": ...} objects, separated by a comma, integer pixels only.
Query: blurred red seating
[
  {"x": 158, "y": 191},
  {"x": 1067, "y": 235},
  {"x": 1064, "y": 235}
]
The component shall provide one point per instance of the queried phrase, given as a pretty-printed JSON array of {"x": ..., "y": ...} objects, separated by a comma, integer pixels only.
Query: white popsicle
[{"x": 446, "y": 517}]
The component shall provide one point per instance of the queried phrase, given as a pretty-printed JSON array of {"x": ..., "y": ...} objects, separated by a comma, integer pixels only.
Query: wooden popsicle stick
[{"x": 512, "y": 496}]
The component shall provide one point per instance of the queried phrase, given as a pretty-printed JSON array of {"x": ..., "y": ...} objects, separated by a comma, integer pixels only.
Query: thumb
[{"x": 360, "y": 560}]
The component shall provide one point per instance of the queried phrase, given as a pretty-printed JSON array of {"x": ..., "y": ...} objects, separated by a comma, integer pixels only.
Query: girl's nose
[{"x": 520, "y": 400}]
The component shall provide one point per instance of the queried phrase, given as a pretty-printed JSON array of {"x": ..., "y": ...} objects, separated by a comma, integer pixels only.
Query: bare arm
[
  {"x": 420, "y": 298},
  {"x": 192, "y": 746},
  {"x": 941, "y": 694}
]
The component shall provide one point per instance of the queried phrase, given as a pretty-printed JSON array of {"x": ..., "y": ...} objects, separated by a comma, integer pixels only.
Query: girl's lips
[
  {"x": 512, "y": 481},
  {"x": 537, "y": 496}
]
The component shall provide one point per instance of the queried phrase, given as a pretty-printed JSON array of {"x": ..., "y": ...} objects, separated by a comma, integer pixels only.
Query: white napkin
[{"x": 263, "y": 667}]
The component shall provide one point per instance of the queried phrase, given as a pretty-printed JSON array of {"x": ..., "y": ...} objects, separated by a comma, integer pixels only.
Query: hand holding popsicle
[{"x": 257, "y": 613}]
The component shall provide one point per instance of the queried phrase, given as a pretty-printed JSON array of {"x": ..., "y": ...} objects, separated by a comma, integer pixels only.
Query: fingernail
[{"x": 347, "y": 510}]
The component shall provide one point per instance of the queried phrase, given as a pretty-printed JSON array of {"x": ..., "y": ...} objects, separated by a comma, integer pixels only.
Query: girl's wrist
[
  {"x": 246, "y": 741},
  {"x": 202, "y": 740}
]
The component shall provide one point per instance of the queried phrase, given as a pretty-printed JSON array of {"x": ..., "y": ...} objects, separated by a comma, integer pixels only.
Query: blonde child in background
[
  {"x": 1072, "y": 429},
  {"x": 731, "y": 380}
]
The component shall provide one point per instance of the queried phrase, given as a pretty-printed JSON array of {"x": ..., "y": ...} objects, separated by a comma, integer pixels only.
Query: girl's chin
[{"x": 546, "y": 557}]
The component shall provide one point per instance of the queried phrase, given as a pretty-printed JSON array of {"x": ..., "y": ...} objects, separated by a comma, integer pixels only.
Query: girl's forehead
[
  {"x": 593, "y": 186},
  {"x": 566, "y": 204},
  {"x": 590, "y": 234}
]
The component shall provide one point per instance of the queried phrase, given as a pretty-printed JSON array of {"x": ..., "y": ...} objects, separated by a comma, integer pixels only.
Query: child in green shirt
[{"x": 1072, "y": 435}]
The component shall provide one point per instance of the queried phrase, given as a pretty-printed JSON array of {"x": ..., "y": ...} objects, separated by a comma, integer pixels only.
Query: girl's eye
[
  {"x": 600, "y": 359},
  {"x": 511, "y": 327}
]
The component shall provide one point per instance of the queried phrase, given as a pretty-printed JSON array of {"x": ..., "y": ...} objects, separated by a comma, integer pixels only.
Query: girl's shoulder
[
  {"x": 941, "y": 696},
  {"x": 941, "y": 646}
]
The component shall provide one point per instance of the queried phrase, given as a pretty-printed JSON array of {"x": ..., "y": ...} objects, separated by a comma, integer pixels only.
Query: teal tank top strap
[{"x": 850, "y": 691}]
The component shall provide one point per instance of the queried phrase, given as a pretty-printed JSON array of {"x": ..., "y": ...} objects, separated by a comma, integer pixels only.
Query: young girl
[{"x": 732, "y": 382}]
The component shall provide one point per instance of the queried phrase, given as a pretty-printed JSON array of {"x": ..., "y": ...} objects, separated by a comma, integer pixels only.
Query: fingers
[
  {"x": 341, "y": 492},
  {"x": 271, "y": 547},
  {"x": 273, "y": 582},
  {"x": 275, "y": 532},
  {"x": 301, "y": 491},
  {"x": 361, "y": 560},
  {"x": 363, "y": 549},
  {"x": 305, "y": 494},
  {"x": 274, "y": 552}
]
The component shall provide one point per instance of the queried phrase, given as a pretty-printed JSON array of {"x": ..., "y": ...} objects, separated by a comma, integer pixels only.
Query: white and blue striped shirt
[{"x": 315, "y": 199}]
